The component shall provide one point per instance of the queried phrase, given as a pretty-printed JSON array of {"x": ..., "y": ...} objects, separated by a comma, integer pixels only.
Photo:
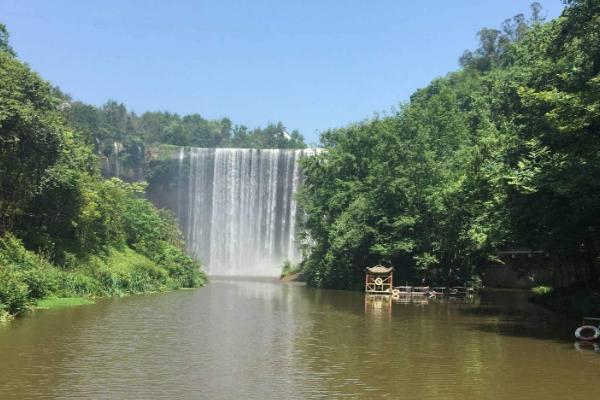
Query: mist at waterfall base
[{"x": 237, "y": 210}]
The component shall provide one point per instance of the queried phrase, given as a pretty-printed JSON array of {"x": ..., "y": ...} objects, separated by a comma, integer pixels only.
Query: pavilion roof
[{"x": 379, "y": 269}]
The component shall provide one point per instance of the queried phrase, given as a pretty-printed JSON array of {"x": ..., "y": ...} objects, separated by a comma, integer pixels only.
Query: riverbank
[
  {"x": 292, "y": 272},
  {"x": 65, "y": 232},
  {"x": 29, "y": 281}
]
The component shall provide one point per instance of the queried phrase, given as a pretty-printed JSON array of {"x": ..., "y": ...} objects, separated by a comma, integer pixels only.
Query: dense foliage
[
  {"x": 113, "y": 122},
  {"x": 63, "y": 229},
  {"x": 123, "y": 137},
  {"x": 501, "y": 154}
]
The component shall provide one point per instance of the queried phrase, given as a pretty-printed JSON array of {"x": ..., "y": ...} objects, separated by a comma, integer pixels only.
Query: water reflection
[
  {"x": 262, "y": 339},
  {"x": 378, "y": 305},
  {"x": 587, "y": 347}
]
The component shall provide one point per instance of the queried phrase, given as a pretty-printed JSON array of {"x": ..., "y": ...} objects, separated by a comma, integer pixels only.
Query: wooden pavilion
[{"x": 379, "y": 279}]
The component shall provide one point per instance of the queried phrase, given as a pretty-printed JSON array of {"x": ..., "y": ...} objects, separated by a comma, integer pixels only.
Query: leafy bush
[
  {"x": 543, "y": 290},
  {"x": 26, "y": 277},
  {"x": 155, "y": 234},
  {"x": 41, "y": 282},
  {"x": 13, "y": 292},
  {"x": 290, "y": 268},
  {"x": 475, "y": 282},
  {"x": 13, "y": 253},
  {"x": 65, "y": 231},
  {"x": 78, "y": 284}
]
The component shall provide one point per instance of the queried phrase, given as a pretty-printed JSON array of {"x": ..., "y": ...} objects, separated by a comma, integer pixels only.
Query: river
[{"x": 236, "y": 339}]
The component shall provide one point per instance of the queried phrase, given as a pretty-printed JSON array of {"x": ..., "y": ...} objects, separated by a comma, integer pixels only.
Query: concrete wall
[{"x": 518, "y": 271}]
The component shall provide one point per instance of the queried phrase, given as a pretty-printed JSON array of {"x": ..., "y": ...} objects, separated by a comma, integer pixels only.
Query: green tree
[{"x": 501, "y": 154}]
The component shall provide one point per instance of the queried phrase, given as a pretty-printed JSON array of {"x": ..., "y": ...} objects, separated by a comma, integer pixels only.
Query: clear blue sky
[{"x": 313, "y": 64}]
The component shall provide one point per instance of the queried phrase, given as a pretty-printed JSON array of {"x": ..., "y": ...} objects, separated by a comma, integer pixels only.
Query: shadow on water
[
  {"x": 372, "y": 346},
  {"x": 510, "y": 313}
]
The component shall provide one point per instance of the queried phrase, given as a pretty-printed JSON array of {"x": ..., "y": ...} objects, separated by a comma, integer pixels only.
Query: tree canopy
[
  {"x": 122, "y": 136},
  {"x": 503, "y": 153},
  {"x": 65, "y": 231},
  {"x": 114, "y": 122}
]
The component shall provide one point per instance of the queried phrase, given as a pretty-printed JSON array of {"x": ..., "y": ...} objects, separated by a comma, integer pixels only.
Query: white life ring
[
  {"x": 378, "y": 281},
  {"x": 579, "y": 333}
]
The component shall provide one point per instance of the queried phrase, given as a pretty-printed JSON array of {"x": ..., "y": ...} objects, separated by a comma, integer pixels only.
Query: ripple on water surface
[{"x": 262, "y": 339}]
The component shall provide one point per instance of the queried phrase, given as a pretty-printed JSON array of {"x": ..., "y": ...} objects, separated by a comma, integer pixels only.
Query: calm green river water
[{"x": 263, "y": 340}]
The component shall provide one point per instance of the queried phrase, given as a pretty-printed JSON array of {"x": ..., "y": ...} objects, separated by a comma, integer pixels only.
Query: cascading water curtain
[{"x": 237, "y": 208}]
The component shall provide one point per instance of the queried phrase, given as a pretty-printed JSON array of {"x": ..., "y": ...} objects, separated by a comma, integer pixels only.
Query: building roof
[{"x": 379, "y": 269}]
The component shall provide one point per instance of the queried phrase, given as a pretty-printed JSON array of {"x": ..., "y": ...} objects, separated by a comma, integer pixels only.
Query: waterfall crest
[{"x": 237, "y": 208}]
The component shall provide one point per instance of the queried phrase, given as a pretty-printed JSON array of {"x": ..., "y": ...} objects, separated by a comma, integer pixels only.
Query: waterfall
[{"x": 237, "y": 208}]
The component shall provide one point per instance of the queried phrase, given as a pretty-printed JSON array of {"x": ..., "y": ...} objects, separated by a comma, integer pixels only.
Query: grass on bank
[
  {"x": 60, "y": 302},
  {"x": 28, "y": 280}
]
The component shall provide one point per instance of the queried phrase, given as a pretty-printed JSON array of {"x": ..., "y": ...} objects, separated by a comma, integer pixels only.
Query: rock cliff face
[{"x": 120, "y": 161}]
